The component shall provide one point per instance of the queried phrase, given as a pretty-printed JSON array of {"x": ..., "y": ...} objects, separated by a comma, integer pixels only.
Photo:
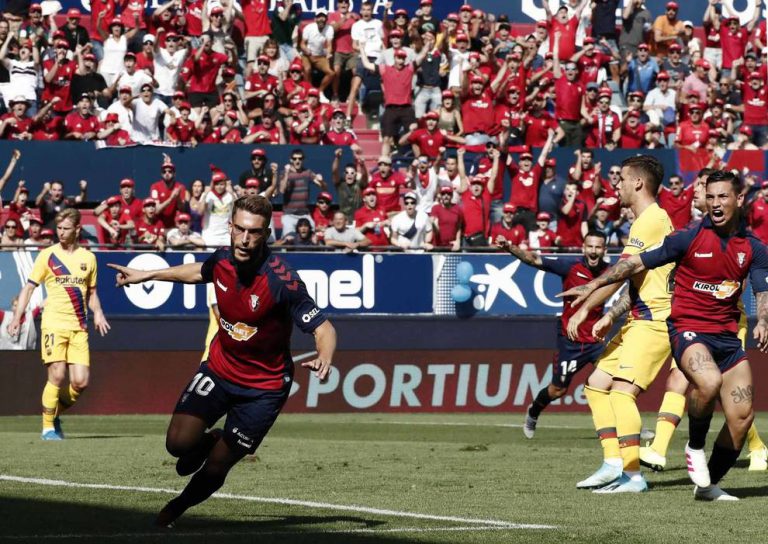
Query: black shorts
[
  {"x": 572, "y": 357},
  {"x": 396, "y": 118},
  {"x": 250, "y": 412},
  {"x": 198, "y": 100},
  {"x": 725, "y": 347}
]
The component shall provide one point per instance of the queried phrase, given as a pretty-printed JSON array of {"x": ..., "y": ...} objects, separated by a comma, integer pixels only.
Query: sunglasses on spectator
[
  {"x": 10, "y": 225},
  {"x": 167, "y": 170},
  {"x": 410, "y": 202},
  {"x": 617, "y": 172},
  {"x": 263, "y": 63},
  {"x": 296, "y": 71},
  {"x": 257, "y": 158},
  {"x": 591, "y": 90},
  {"x": 570, "y": 68},
  {"x": 297, "y": 159},
  {"x": 604, "y": 101},
  {"x": 216, "y": 15},
  {"x": 634, "y": 99}
]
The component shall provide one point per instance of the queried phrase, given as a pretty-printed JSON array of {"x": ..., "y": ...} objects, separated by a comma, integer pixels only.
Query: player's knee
[
  {"x": 710, "y": 388},
  {"x": 79, "y": 384},
  {"x": 555, "y": 391},
  {"x": 175, "y": 447}
]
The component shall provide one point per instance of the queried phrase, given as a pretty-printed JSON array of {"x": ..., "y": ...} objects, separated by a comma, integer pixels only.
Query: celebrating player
[
  {"x": 673, "y": 404},
  {"x": 249, "y": 370},
  {"x": 69, "y": 274},
  {"x": 713, "y": 259},
  {"x": 636, "y": 354},
  {"x": 571, "y": 355}
]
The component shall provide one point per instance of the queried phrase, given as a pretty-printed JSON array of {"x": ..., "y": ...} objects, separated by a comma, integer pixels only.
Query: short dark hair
[
  {"x": 726, "y": 175},
  {"x": 647, "y": 167},
  {"x": 303, "y": 222},
  {"x": 705, "y": 172},
  {"x": 257, "y": 205},
  {"x": 297, "y": 152},
  {"x": 597, "y": 234}
]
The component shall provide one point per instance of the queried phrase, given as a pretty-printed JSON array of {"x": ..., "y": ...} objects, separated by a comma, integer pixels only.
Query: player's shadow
[
  {"x": 677, "y": 482},
  {"x": 744, "y": 492},
  {"x": 35, "y": 520}
]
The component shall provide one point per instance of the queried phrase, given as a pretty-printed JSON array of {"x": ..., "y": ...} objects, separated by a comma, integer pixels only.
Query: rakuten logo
[{"x": 343, "y": 289}]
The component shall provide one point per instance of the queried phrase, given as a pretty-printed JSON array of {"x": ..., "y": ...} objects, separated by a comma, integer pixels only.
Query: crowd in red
[{"x": 465, "y": 101}]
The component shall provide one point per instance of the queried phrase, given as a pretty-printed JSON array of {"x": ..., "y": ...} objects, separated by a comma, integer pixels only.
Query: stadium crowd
[{"x": 462, "y": 104}]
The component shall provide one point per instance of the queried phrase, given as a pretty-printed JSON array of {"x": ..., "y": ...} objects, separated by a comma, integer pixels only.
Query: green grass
[{"x": 412, "y": 463}]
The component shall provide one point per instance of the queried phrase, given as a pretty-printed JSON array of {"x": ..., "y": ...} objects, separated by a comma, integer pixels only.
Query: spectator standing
[
  {"x": 713, "y": 52},
  {"x": 697, "y": 82},
  {"x": 635, "y": 20},
  {"x": 260, "y": 170},
  {"x": 343, "y": 237},
  {"x": 542, "y": 237},
  {"x": 132, "y": 77},
  {"x": 75, "y": 34},
  {"x": 569, "y": 92},
  {"x": 23, "y": 71},
  {"x": 349, "y": 183},
  {"x": 368, "y": 41},
  {"x": 322, "y": 214},
  {"x": 572, "y": 218},
  {"x": 661, "y": 102},
  {"x": 755, "y": 108},
  {"x": 284, "y": 23},
  {"x": 218, "y": 202},
  {"x": 294, "y": 186},
  {"x": 344, "y": 56},
  {"x": 317, "y": 48},
  {"x": 115, "y": 41},
  {"x": 203, "y": 69},
  {"x": 641, "y": 70},
  {"x": 51, "y": 200},
  {"x": 447, "y": 221},
  {"x": 388, "y": 183},
  {"x": 422, "y": 178},
  {"x": 734, "y": 39},
  {"x": 181, "y": 130},
  {"x": 758, "y": 214},
  {"x": 257, "y": 27},
  {"x": 147, "y": 114},
  {"x": 411, "y": 228},
  {"x": 168, "y": 62},
  {"x": 88, "y": 80},
  {"x": 508, "y": 229},
  {"x": 81, "y": 124},
  {"x": 170, "y": 195},
  {"x": 149, "y": 228},
  {"x": 563, "y": 28},
  {"x": 371, "y": 220},
  {"x": 604, "y": 130},
  {"x": 692, "y": 134},
  {"x": 677, "y": 200},
  {"x": 57, "y": 78},
  {"x": 667, "y": 29},
  {"x": 551, "y": 189},
  {"x": 526, "y": 178},
  {"x": 476, "y": 201}
]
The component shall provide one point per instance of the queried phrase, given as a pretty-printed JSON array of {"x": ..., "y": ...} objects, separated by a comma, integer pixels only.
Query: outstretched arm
[
  {"x": 185, "y": 273},
  {"x": 622, "y": 270},
  {"x": 528, "y": 257}
]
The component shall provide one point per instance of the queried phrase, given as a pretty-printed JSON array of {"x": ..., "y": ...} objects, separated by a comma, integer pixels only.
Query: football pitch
[{"x": 371, "y": 478}]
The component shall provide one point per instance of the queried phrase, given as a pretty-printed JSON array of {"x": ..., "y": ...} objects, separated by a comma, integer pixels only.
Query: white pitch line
[
  {"x": 288, "y": 502},
  {"x": 186, "y": 534},
  {"x": 466, "y": 424}
]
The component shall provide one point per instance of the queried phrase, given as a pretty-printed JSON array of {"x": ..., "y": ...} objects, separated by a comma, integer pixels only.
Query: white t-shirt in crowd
[
  {"x": 371, "y": 35},
  {"x": 411, "y": 230},
  {"x": 317, "y": 40},
  {"x": 167, "y": 68},
  {"x": 134, "y": 81},
  {"x": 124, "y": 116},
  {"x": 216, "y": 218},
  {"x": 114, "y": 55},
  {"x": 146, "y": 120}
]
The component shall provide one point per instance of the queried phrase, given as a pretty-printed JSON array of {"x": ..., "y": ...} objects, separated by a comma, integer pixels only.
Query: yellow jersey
[
  {"x": 68, "y": 277},
  {"x": 650, "y": 291}
]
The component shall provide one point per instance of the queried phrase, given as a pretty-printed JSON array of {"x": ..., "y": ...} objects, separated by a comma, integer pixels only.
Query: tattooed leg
[
  {"x": 736, "y": 398},
  {"x": 700, "y": 369}
]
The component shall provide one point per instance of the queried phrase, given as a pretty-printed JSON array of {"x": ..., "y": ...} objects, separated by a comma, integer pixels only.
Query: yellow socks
[
  {"x": 605, "y": 421},
  {"x": 754, "y": 442},
  {"x": 50, "y": 401},
  {"x": 628, "y": 426},
  {"x": 671, "y": 411},
  {"x": 67, "y": 397}
]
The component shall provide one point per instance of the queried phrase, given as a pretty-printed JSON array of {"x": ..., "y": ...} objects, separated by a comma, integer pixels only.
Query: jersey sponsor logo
[
  {"x": 722, "y": 290},
  {"x": 307, "y": 317},
  {"x": 222, "y": 287},
  {"x": 702, "y": 255},
  {"x": 69, "y": 280},
  {"x": 636, "y": 242},
  {"x": 239, "y": 331}
]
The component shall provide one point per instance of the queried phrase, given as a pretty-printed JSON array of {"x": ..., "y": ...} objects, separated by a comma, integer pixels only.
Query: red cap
[
  {"x": 232, "y": 115},
  {"x": 753, "y": 75},
  {"x": 604, "y": 92},
  {"x": 262, "y": 58},
  {"x": 171, "y": 35},
  {"x": 61, "y": 43},
  {"x": 89, "y": 56},
  {"x": 252, "y": 182},
  {"x": 465, "y": 7},
  {"x": 305, "y": 107},
  {"x": 218, "y": 176},
  {"x": 111, "y": 118},
  {"x": 551, "y": 162},
  {"x": 589, "y": 40},
  {"x": 115, "y": 21},
  {"x": 477, "y": 13},
  {"x": 73, "y": 13},
  {"x": 369, "y": 191},
  {"x": 396, "y": 33},
  {"x": 764, "y": 184},
  {"x": 474, "y": 55},
  {"x": 604, "y": 207},
  {"x": 401, "y": 53},
  {"x": 446, "y": 190},
  {"x": 452, "y": 17},
  {"x": 712, "y": 133},
  {"x": 719, "y": 102},
  {"x": 127, "y": 182},
  {"x": 745, "y": 130},
  {"x": 698, "y": 106},
  {"x": 111, "y": 201},
  {"x": 637, "y": 93},
  {"x": 398, "y": 13},
  {"x": 185, "y": 106},
  {"x": 35, "y": 7},
  {"x": 448, "y": 94},
  {"x": 425, "y": 3},
  {"x": 182, "y": 217},
  {"x": 672, "y": 5},
  {"x": 179, "y": 94},
  {"x": 432, "y": 115},
  {"x": 217, "y": 9},
  {"x": 479, "y": 180},
  {"x": 130, "y": 55},
  {"x": 228, "y": 71},
  {"x": 167, "y": 165},
  {"x": 476, "y": 79},
  {"x": 46, "y": 232},
  {"x": 543, "y": 216},
  {"x": 643, "y": 46},
  {"x": 542, "y": 24},
  {"x": 34, "y": 218},
  {"x": 634, "y": 113},
  {"x": 325, "y": 196},
  {"x": 149, "y": 202},
  {"x": 313, "y": 92},
  {"x": 702, "y": 63},
  {"x": 258, "y": 153},
  {"x": 509, "y": 208},
  {"x": 462, "y": 37},
  {"x": 676, "y": 47},
  {"x": 662, "y": 76}
]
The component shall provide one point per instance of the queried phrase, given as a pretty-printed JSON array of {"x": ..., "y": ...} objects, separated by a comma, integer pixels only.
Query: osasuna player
[
  {"x": 713, "y": 259},
  {"x": 69, "y": 274},
  {"x": 571, "y": 355},
  {"x": 249, "y": 370}
]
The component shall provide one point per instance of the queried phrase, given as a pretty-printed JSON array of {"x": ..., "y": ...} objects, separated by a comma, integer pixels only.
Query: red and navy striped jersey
[
  {"x": 575, "y": 272},
  {"x": 257, "y": 313},
  {"x": 710, "y": 274}
]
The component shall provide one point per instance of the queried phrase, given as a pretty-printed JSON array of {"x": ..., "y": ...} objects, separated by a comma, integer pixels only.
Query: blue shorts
[
  {"x": 725, "y": 347},
  {"x": 571, "y": 357},
  {"x": 250, "y": 412}
]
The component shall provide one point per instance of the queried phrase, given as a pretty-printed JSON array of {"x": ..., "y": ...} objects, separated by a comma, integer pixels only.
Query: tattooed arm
[
  {"x": 604, "y": 324},
  {"x": 760, "y": 332},
  {"x": 528, "y": 257},
  {"x": 622, "y": 270}
]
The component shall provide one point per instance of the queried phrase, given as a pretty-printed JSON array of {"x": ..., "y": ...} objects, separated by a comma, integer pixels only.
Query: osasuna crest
[
  {"x": 254, "y": 302},
  {"x": 740, "y": 257}
]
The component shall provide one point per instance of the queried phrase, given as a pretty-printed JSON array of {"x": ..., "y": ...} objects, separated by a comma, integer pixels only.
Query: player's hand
[
  {"x": 100, "y": 322},
  {"x": 13, "y": 328},
  {"x": 602, "y": 327},
  {"x": 581, "y": 293},
  {"x": 321, "y": 366},
  {"x": 574, "y": 323},
  {"x": 760, "y": 334},
  {"x": 127, "y": 276}
]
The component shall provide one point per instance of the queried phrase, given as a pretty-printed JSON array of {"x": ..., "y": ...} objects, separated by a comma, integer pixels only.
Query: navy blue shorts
[
  {"x": 250, "y": 412},
  {"x": 571, "y": 357},
  {"x": 725, "y": 347}
]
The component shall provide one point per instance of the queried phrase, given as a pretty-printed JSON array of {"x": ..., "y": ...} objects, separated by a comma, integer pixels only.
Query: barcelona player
[
  {"x": 635, "y": 355},
  {"x": 672, "y": 407},
  {"x": 68, "y": 272},
  {"x": 713, "y": 258},
  {"x": 249, "y": 370},
  {"x": 571, "y": 355}
]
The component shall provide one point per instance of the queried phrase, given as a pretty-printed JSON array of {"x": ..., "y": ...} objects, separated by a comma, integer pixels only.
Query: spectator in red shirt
[
  {"x": 734, "y": 38},
  {"x": 758, "y": 214},
  {"x": 81, "y": 124},
  {"x": 429, "y": 139},
  {"x": 447, "y": 221},
  {"x": 269, "y": 131},
  {"x": 563, "y": 29},
  {"x": 508, "y": 229},
  {"x": 202, "y": 70},
  {"x": 587, "y": 175},
  {"x": 322, "y": 214},
  {"x": 590, "y": 60},
  {"x": 755, "y": 108},
  {"x": 338, "y": 135},
  {"x": 632, "y": 131},
  {"x": 605, "y": 128},
  {"x": 693, "y": 134},
  {"x": 526, "y": 178},
  {"x": 112, "y": 133},
  {"x": 538, "y": 122},
  {"x": 228, "y": 131},
  {"x": 306, "y": 128},
  {"x": 744, "y": 139},
  {"x": 677, "y": 201},
  {"x": 16, "y": 125},
  {"x": 113, "y": 227},
  {"x": 542, "y": 236},
  {"x": 260, "y": 83},
  {"x": 182, "y": 130},
  {"x": 145, "y": 59},
  {"x": 371, "y": 220},
  {"x": 149, "y": 228},
  {"x": 344, "y": 56},
  {"x": 255, "y": 15},
  {"x": 572, "y": 219},
  {"x": 169, "y": 195},
  {"x": 58, "y": 72},
  {"x": 476, "y": 201},
  {"x": 568, "y": 91},
  {"x": 388, "y": 184}
]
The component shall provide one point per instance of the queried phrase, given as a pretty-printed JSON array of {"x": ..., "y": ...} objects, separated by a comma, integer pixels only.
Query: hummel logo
[
  {"x": 221, "y": 286},
  {"x": 703, "y": 255},
  {"x": 579, "y": 274}
]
